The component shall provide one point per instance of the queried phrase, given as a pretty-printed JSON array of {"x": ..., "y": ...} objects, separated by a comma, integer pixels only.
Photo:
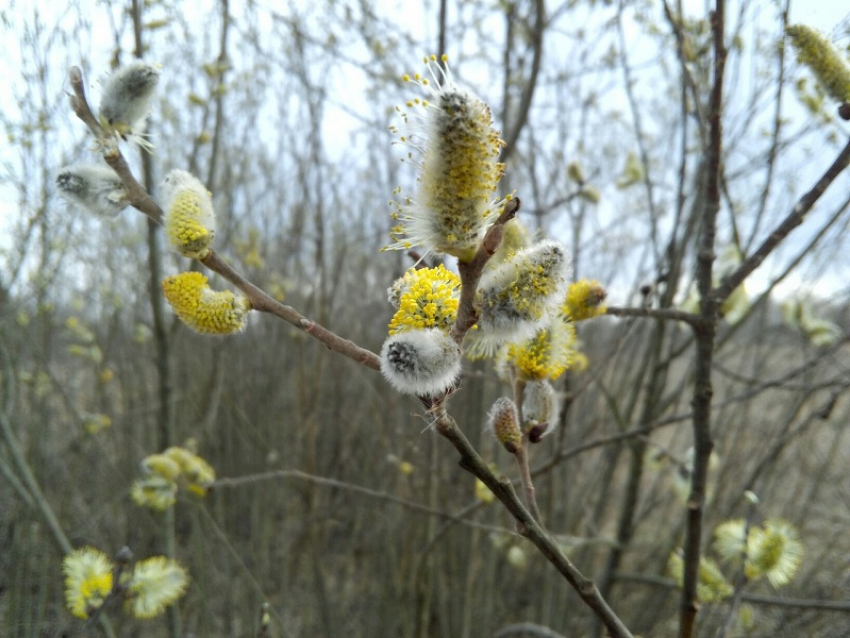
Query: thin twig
[
  {"x": 471, "y": 271},
  {"x": 523, "y": 453},
  {"x": 794, "y": 219},
  {"x": 654, "y": 313},
  {"x": 527, "y": 526},
  {"x": 239, "y": 481},
  {"x": 773, "y": 601},
  {"x": 740, "y": 577},
  {"x": 704, "y": 335}
]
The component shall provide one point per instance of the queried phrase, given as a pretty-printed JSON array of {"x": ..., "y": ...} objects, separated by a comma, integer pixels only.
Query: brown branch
[
  {"x": 470, "y": 271},
  {"x": 272, "y": 475},
  {"x": 263, "y": 302},
  {"x": 704, "y": 336},
  {"x": 472, "y": 462},
  {"x": 655, "y": 313},
  {"x": 142, "y": 201},
  {"x": 773, "y": 601},
  {"x": 794, "y": 219},
  {"x": 527, "y": 629}
]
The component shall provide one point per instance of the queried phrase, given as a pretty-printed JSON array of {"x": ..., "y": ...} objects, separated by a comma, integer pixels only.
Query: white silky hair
[
  {"x": 423, "y": 362},
  {"x": 95, "y": 188},
  {"x": 126, "y": 98}
]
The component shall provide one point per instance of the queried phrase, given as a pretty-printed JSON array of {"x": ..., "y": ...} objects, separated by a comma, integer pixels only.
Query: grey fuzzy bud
[
  {"x": 95, "y": 188},
  {"x": 125, "y": 103},
  {"x": 423, "y": 362},
  {"x": 539, "y": 405}
]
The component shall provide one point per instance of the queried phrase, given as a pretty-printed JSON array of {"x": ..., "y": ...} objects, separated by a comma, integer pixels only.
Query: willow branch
[
  {"x": 250, "y": 479},
  {"x": 470, "y": 271},
  {"x": 142, "y": 201},
  {"x": 654, "y": 313},
  {"x": 527, "y": 526},
  {"x": 704, "y": 336},
  {"x": 794, "y": 219}
]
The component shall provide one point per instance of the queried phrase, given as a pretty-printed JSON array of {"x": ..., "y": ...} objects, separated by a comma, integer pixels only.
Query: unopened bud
[
  {"x": 95, "y": 188},
  {"x": 126, "y": 99},
  {"x": 504, "y": 423},
  {"x": 424, "y": 362},
  {"x": 538, "y": 406}
]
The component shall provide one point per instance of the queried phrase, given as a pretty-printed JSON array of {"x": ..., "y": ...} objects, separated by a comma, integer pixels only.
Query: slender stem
[
  {"x": 740, "y": 577},
  {"x": 523, "y": 454},
  {"x": 704, "y": 336},
  {"x": 522, "y": 460},
  {"x": 654, "y": 313},
  {"x": 794, "y": 219},
  {"x": 527, "y": 526}
]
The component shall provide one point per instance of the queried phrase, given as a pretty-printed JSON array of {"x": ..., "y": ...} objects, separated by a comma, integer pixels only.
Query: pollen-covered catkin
[
  {"x": 424, "y": 362},
  {"x": 425, "y": 298},
  {"x": 189, "y": 214},
  {"x": 88, "y": 580},
  {"x": 202, "y": 309},
  {"x": 827, "y": 63},
  {"x": 454, "y": 204},
  {"x": 546, "y": 355},
  {"x": 154, "y": 584},
  {"x": 126, "y": 100},
  {"x": 96, "y": 188},
  {"x": 585, "y": 300},
  {"x": 518, "y": 297}
]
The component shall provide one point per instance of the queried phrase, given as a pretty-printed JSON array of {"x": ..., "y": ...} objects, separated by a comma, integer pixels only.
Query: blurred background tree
[{"x": 283, "y": 112}]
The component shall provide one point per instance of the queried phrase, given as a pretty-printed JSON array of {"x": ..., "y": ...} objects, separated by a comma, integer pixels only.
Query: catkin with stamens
[
  {"x": 454, "y": 204},
  {"x": 202, "y": 309},
  {"x": 827, "y": 63},
  {"x": 88, "y": 580},
  {"x": 518, "y": 297},
  {"x": 154, "y": 584},
  {"x": 427, "y": 298},
  {"x": 189, "y": 214}
]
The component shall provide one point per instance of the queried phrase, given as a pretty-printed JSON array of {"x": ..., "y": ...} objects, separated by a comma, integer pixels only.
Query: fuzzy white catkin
[
  {"x": 519, "y": 296},
  {"x": 95, "y": 188},
  {"x": 538, "y": 402},
  {"x": 422, "y": 362},
  {"x": 177, "y": 181},
  {"x": 126, "y": 99}
]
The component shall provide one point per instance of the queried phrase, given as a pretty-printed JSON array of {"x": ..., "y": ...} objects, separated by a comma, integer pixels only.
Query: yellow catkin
[
  {"x": 454, "y": 204},
  {"x": 88, "y": 580},
  {"x": 189, "y": 214},
  {"x": 154, "y": 584},
  {"x": 202, "y": 309},
  {"x": 585, "y": 300},
  {"x": 427, "y": 298},
  {"x": 547, "y": 355},
  {"x": 829, "y": 66}
]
